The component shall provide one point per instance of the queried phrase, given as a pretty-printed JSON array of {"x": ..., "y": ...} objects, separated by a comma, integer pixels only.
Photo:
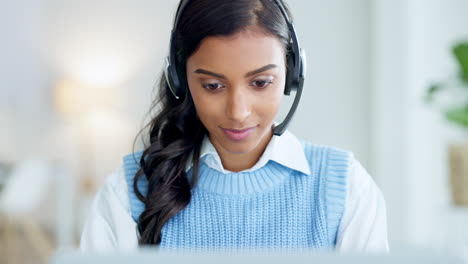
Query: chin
[{"x": 238, "y": 147}]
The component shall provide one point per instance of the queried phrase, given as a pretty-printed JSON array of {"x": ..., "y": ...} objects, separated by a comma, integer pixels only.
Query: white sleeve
[
  {"x": 109, "y": 225},
  {"x": 363, "y": 227}
]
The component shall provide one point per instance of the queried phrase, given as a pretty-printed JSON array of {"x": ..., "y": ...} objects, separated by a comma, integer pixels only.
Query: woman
[{"x": 218, "y": 172}]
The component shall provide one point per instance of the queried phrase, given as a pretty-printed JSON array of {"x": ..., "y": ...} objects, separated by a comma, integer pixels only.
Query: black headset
[{"x": 295, "y": 73}]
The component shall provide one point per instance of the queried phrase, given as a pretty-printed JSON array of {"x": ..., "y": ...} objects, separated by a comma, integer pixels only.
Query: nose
[{"x": 238, "y": 107}]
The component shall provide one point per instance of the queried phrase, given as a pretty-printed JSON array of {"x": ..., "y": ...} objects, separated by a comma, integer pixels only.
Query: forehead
[{"x": 238, "y": 53}]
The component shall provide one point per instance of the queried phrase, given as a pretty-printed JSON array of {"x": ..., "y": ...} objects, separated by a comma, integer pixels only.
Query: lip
[{"x": 238, "y": 134}]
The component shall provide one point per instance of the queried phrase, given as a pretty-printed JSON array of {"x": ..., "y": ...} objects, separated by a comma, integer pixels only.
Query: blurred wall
[
  {"x": 388, "y": 111},
  {"x": 24, "y": 80},
  {"x": 412, "y": 43},
  {"x": 23, "y": 68},
  {"x": 433, "y": 28},
  {"x": 116, "y": 46}
]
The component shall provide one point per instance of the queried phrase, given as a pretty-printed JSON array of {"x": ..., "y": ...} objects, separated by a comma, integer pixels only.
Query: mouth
[{"x": 239, "y": 134}]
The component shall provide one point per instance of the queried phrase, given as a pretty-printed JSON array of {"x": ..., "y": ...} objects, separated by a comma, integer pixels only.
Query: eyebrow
[{"x": 250, "y": 73}]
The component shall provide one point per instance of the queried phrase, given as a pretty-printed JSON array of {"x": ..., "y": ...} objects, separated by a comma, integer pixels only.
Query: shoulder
[
  {"x": 361, "y": 183},
  {"x": 361, "y": 186},
  {"x": 115, "y": 189},
  {"x": 132, "y": 160},
  {"x": 327, "y": 156},
  {"x": 334, "y": 160},
  {"x": 364, "y": 223},
  {"x": 109, "y": 224},
  {"x": 331, "y": 158},
  {"x": 310, "y": 157}
]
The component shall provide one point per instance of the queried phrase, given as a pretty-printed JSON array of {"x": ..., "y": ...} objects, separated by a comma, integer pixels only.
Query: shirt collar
[{"x": 285, "y": 150}]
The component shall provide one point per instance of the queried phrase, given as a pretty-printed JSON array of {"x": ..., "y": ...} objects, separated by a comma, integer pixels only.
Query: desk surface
[{"x": 146, "y": 257}]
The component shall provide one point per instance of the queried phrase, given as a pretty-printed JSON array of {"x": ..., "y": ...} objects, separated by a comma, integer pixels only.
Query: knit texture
[{"x": 272, "y": 207}]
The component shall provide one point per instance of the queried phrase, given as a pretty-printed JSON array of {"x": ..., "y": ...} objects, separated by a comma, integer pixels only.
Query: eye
[
  {"x": 212, "y": 86},
  {"x": 261, "y": 83}
]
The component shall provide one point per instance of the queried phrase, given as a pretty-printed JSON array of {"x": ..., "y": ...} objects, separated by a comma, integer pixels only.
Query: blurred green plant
[{"x": 457, "y": 112}]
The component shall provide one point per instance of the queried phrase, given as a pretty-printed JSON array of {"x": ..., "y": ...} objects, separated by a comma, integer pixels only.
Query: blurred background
[{"x": 77, "y": 78}]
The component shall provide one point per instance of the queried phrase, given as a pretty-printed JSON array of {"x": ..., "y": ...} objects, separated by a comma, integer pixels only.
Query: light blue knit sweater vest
[{"x": 269, "y": 208}]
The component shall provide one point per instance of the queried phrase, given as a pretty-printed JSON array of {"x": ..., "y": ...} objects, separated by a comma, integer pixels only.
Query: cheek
[
  {"x": 274, "y": 99},
  {"x": 197, "y": 96},
  {"x": 267, "y": 105},
  {"x": 206, "y": 109},
  {"x": 269, "y": 108}
]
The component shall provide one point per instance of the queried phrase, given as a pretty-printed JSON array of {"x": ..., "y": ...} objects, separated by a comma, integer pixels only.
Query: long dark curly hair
[{"x": 176, "y": 132}]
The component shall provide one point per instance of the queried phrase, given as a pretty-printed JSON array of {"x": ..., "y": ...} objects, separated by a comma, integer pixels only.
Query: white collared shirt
[{"x": 363, "y": 227}]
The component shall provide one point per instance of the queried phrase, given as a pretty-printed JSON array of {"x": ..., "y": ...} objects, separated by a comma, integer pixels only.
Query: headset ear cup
[
  {"x": 170, "y": 82},
  {"x": 172, "y": 79},
  {"x": 303, "y": 69},
  {"x": 289, "y": 83}
]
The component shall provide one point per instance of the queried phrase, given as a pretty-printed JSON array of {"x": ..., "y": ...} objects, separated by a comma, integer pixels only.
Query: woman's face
[{"x": 237, "y": 83}]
